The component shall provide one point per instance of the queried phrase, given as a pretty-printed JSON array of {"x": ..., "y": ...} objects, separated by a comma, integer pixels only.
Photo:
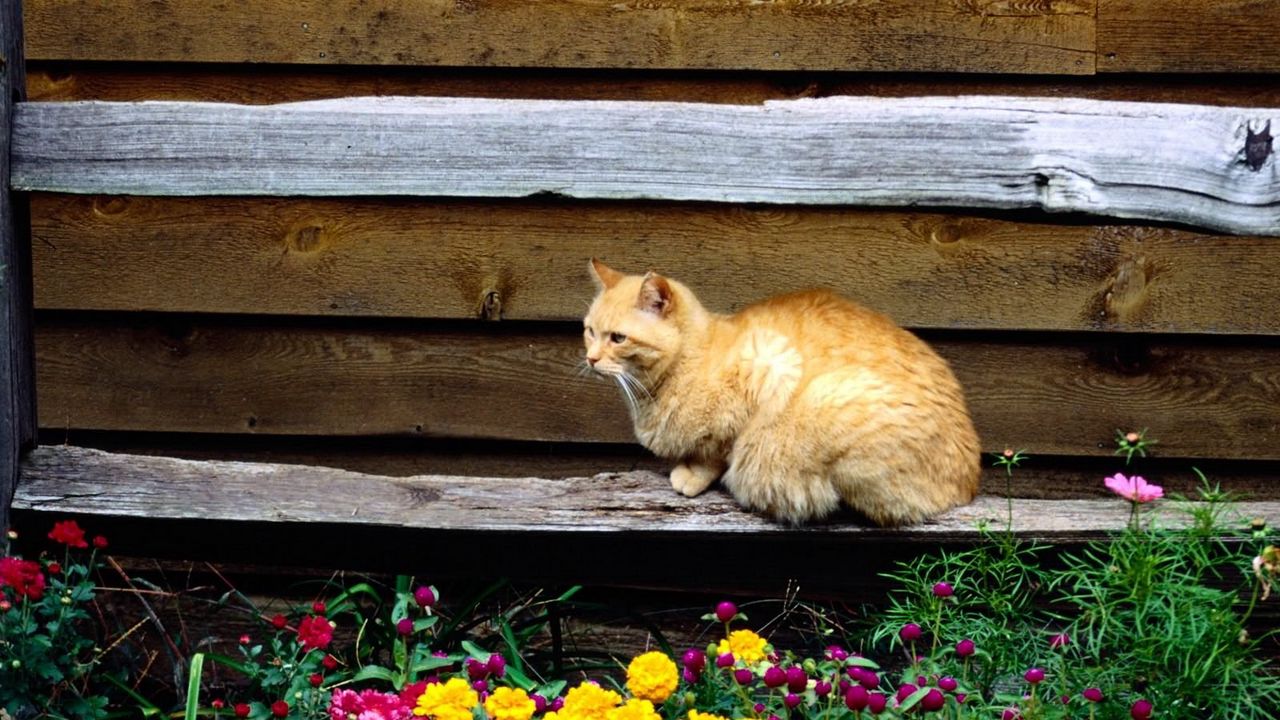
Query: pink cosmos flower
[{"x": 1133, "y": 488}]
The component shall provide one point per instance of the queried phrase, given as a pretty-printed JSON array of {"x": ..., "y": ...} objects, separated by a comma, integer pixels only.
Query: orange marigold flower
[
  {"x": 744, "y": 645},
  {"x": 652, "y": 676}
]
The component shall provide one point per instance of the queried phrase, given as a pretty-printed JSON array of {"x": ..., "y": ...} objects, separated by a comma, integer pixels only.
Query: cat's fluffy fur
[{"x": 796, "y": 402}]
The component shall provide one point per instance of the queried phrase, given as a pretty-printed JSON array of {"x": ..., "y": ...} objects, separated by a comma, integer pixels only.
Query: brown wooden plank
[
  {"x": 1188, "y": 36},
  {"x": 453, "y": 259},
  {"x": 889, "y": 35},
  {"x": 257, "y": 84},
  {"x": 1049, "y": 394},
  {"x": 71, "y": 480}
]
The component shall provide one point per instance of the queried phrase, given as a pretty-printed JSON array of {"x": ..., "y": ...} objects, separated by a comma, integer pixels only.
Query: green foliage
[{"x": 48, "y": 656}]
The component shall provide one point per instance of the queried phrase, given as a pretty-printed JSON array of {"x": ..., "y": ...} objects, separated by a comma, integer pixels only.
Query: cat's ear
[
  {"x": 655, "y": 295},
  {"x": 604, "y": 276}
]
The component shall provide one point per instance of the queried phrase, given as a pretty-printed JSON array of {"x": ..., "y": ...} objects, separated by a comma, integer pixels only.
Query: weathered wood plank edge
[
  {"x": 71, "y": 480},
  {"x": 1192, "y": 164}
]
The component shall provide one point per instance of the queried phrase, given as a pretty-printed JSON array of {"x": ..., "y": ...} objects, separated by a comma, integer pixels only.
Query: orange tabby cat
[{"x": 796, "y": 403}]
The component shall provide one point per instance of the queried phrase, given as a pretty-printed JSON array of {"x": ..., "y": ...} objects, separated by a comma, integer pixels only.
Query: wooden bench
[{"x": 391, "y": 284}]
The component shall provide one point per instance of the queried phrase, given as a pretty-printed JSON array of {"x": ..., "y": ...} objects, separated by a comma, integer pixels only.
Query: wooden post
[{"x": 17, "y": 394}]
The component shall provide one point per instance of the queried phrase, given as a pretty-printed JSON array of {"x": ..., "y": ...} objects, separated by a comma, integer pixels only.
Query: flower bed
[{"x": 1144, "y": 625}]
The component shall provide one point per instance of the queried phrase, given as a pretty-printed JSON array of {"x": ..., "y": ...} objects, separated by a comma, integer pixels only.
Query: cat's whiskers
[{"x": 628, "y": 394}]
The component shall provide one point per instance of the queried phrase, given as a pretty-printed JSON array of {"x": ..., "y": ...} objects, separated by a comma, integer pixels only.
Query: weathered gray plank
[
  {"x": 17, "y": 397},
  {"x": 63, "y": 479},
  {"x": 1184, "y": 163}
]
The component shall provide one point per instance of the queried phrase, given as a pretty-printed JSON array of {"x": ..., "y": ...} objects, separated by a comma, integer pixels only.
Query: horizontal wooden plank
[
  {"x": 1048, "y": 477},
  {"x": 1188, "y": 35},
  {"x": 909, "y": 35},
  {"x": 523, "y": 259},
  {"x": 1050, "y": 394},
  {"x": 1185, "y": 163},
  {"x": 258, "y": 84},
  {"x": 70, "y": 480}
]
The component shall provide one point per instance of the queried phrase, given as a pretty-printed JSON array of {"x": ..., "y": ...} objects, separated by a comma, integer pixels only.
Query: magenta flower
[
  {"x": 775, "y": 677},
  {"x": 965, "y": 648},
  {"x": 1133, "y": 488},
  {"x": 797, "y": 680},
  {"x": 1141, "y": 710},
  {"x": 368, "y": 705},
  {"x": 743, "y": 676},
  {"x": 856, "y": 698},
  {"x": 948, "y": 683},
  {"x": 694, "y": 659},
  {"x": 876, "y": 702},
  {"x": 726, "y": 611},
  {"x": 1034, "y": 676},
  {"x": 1060, "y": 640},
  {"x": 943, "y": 589},
  {"x": 933, "y": 700},
  {"x": 910, "y": 632},
  {"x": 1092, "y": 694}
]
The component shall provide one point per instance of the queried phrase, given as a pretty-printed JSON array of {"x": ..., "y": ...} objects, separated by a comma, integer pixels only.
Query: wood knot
[
  {"x": 945, "y": 234},
  {"x": 110, "y": 205},
  {"x": 491, "y": 305},
  {"x": 1128, "y": 291},
  {"x": 1257, "y": 147},
  {"x": 306, "y": 237}
]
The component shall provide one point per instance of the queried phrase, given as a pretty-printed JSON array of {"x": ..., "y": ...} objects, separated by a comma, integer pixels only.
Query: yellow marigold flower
[
  {"x": 509, "y": 704},
  {"x": 453, "y": 700},
  {"x": 695, "y": 715},
  {"x": 652, "y": 676},
  {"x": 588, "y": 701},
  {"x": 635, "y": 709},
  {"x": 745, "y": 646}
]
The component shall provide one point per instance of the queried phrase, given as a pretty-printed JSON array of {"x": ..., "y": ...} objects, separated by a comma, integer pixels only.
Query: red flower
[
  {"x": 278, "y": 622},
  {"x": 242, "y": 710},
  {"x": 316, "y": 679},
  {"x": 54, "y": 568},
  {"x": 69, "y": 533},
  {"x": 99, "y": 542},
  {"x": 245, "y": 639},
  {"x": 314, "y": 633},
  {"x": 218, "y": 703},
  {"x": 318, "y": 607},
  {"x": 411, "y": 692},
  {"x": 329, "y": 662},
  {"x": 23, "y": 576},
  {"x": 280, "y": 708}
]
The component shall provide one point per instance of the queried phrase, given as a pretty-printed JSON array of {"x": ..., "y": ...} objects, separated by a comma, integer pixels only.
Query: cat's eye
[{"x": 617, "y": 338}]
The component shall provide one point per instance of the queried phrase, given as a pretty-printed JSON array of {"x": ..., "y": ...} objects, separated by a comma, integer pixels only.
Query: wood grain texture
[
  {"x": 262, "y": 85},
  {"x": 527, "y": 258},
  {"x": 1049, "y": 394},
  {"x": 17, "y": 384},
  {"x": 1046, "y": 477},
  {"x": 973, "y": 36},
  {"x": 1182, "y": 163},
  {"x": 1188, "y": 36},
  {"x": 70, "y": 480}
]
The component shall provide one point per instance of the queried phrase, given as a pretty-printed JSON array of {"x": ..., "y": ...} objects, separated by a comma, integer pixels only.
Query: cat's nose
[{"x": 592, "y": 360}]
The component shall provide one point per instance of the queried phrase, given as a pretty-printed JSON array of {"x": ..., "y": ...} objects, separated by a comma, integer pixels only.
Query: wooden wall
[{"x": 401, "y": 336}]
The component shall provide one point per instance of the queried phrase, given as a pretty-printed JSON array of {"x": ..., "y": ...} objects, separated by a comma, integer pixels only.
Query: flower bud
[
  {"x": 791, "y": 700},
  {"x": 1140, "y": 710},
  {"x": 694, "y": 660},
  {"x": 497, "y": 665},
  {"x": 724, "y": 660},
  {"x": 743, "y": 676},
  {"x": 910, "y": 632},
  {"x": 797, "y": 680},
  {"x": 933, "y": 700},
  {"x": 965, "y": 648},
  {"x": 775, "y": 677},
  {"x": 404, "y": 626},
  {"x": 943, "y": 590},
  {"x": 1035, "y": 676},
  {"x": 948, "y": 683},
  {"x": 1092, "y": 694}
]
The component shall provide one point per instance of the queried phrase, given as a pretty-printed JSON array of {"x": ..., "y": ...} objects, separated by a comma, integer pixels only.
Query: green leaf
[
  {"x": 552, "y": 689},
  {"x": 145, "y": 706},
  {"x": 476, "y": 651},
  {"x": 518, "y": 677},
  {"x": 231, "y": 662},
  {"x": 914, "y": 699},
  {"x": 374, "y": 672},
  {"x": 431, "y": 663},
  {"x": 193, "y": 686}
]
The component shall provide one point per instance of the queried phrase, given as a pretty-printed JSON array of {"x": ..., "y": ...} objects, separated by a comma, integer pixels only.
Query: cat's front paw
[{"x": 688, "y": 481}]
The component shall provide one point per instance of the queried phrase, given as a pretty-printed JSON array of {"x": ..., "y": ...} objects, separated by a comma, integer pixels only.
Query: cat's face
[{"x": 630, "y": 331}]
